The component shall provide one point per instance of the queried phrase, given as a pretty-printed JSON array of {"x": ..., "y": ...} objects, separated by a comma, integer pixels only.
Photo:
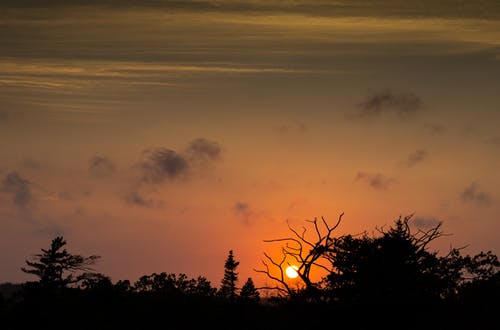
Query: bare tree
[{"x": 304, "y": 252}]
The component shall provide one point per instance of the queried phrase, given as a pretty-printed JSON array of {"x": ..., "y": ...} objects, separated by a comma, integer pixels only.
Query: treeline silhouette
[{"x": 390, "y": 279}]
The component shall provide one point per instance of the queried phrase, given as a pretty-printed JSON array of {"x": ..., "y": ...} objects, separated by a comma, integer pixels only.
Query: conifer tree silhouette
[
  {"x": 228, "y": 288},
  {"x": 57, "y": 268},
  {"x": 249, "y": 294}
]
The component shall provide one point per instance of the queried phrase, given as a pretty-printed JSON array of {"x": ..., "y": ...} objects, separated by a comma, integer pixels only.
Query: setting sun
[{"x": 291, "y": 271}]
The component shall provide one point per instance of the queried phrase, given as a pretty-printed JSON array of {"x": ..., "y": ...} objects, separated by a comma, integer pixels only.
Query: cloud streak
[{"x": 390, "y": 8}]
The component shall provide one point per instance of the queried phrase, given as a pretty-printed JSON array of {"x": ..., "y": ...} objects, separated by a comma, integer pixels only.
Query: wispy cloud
[
  {"x": 473, "y": 194},
  {"x": 376, "y": 181},
  {"x": 101, "y": 167},
  {"x": 247, "y": 214},
  {"x": 425, "y": 222},
  {"x": 388, "y": 102},
  {"x": 202, "y": 149},
  {"x": 135, "y": 198},
  {"x": 416, "y": 157},
  {"x": 83, "y": 74},
  {"x": 163, "y": 164},
  {"x": 19, "y": 188},
  {"x": 388, "y": 8}
]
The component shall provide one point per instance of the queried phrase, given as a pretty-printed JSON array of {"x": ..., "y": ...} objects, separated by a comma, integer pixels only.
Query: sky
[{"x": 162, "y": 134}]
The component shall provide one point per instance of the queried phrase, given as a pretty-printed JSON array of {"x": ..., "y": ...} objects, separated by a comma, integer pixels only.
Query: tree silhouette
[
  {"x": 306, "y": 252},
  {"x": 228, "y": 284},
  {"x": 174, "y": 285},
  {"x": 57, "y": 268},
  {"x": 382, "y": 277},
  {"x": 249, "y": 293},
  {"x": 398, "y": 267},
  {"x": 395, "y": 266}
]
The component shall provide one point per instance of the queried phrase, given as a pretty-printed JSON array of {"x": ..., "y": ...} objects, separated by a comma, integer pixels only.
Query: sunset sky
[{"x": 162, "y": 134}]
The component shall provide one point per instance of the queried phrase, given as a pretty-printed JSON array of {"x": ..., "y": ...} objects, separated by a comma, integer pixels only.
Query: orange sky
[{"x": 161, "y": 135}]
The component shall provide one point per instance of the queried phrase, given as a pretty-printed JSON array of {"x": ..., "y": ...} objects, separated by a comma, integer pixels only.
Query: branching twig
[{"x": 294, "y": 249}]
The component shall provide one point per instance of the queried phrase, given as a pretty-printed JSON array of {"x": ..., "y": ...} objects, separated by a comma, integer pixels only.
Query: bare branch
[{"x": 307, "y": 259}]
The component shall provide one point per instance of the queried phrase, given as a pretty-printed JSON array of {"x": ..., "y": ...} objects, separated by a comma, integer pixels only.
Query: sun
[{"x": 291, "y": 271}]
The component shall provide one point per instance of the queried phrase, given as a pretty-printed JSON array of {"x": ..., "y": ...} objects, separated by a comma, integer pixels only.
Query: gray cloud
[
  {"x": 388, "y": 102},
  {"x": 135, "y": 198},
  {"x": 19, "y": 188},
  {"x": 164, "y": 164},
  {"x": 203, "y": 149},
  {"x": 101, "y": 167},
  {"x": 416, "y": 157},
  {"x": 472, "y": 194},
  {"x": 425, "y": 222},
  {"x": 244, "y": 212},
  {"x": 241, "y": 207},
  {"x": 375, "y": 180}
]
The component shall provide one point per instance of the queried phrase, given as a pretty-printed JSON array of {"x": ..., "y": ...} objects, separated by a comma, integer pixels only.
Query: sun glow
[{"x": 291, "y": 271}]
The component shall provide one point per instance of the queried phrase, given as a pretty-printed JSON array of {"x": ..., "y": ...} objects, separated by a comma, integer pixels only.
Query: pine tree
[
  {"x": 228, "y": 285},
  {"x": 57, "y": 268},
  {"x": 249, "y": 294}
]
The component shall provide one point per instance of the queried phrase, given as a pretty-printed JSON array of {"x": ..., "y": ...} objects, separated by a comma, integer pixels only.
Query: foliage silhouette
[
  {"x": 228, "y": 290},
  {"x": 249, "y": 293},
  {"x": 397, "y": 267},
  {"x": 371, "y": 281},
  {"x": 52, "y": 265}
]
